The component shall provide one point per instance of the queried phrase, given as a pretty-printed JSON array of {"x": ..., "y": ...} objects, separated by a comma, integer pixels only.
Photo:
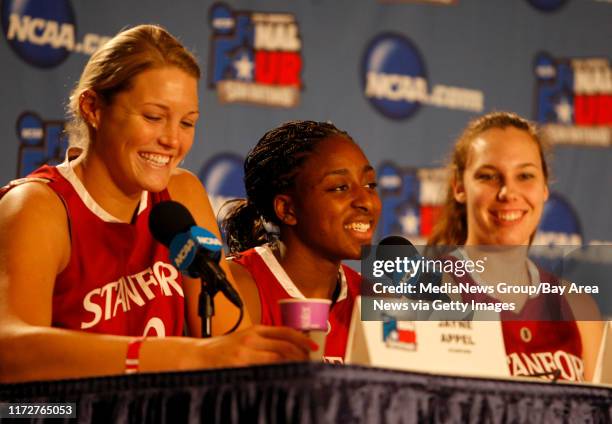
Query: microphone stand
[
  {"x": 206, "y": 303},
  {"x": 206, "y": 310},
  {"x": 213, "y": 281}
]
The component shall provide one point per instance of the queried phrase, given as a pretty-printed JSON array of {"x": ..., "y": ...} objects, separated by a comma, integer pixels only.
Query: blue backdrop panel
[{"x": 403, "y": 77}]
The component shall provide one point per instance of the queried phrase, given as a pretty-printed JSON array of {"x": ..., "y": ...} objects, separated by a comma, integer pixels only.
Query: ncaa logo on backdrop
[
  {"x": 255, "y": 57},
  {"x": 412, "y": 199},
  {"x": 574, "y": 99},
  {"x": 43, "y": 33},
  {"x": 395, "y": 81},
  {"x": 223, "y": 177},
  {"x": 40, "y": 142},
  {"x": 547, "y": 5},
  {"x": 559, "y": 225}
]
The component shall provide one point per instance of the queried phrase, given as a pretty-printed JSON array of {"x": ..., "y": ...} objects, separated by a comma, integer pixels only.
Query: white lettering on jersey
[
  {"x": 132, "y": 292},
  {"x": 104, "y": 302},
  {"x": 525, "y": 364},
  {"x": 166, "y": 275},
  {"x": 145, "y": 279},
  {"x": 93, "y": 308},
  {"x": 107, "y": 292}
]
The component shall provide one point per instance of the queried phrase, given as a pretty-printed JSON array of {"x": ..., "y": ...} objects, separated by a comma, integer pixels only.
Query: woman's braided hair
[{"x": 270, "y": 169}]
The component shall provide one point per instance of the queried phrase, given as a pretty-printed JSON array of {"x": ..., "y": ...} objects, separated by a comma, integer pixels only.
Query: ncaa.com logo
[
  {"x": 43, "y": 33},
  {"x": 395, "y": 80}
]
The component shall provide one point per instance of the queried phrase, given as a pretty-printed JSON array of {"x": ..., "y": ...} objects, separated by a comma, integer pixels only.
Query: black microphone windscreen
[
  {"x": 169, "y": 218},
  {"x": 403, "y": 247},
  {"x": 395, "y": 241}
]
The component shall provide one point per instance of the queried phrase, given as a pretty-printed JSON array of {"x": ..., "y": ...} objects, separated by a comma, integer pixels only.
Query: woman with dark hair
[
  {"x": 100, "y": 283},
  {"x": 497, "y": 189},
  {"x": 311, "y": 203}
]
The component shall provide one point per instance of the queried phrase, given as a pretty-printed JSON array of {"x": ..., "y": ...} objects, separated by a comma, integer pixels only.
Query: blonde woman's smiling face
[{"x": 146, "y": 130}]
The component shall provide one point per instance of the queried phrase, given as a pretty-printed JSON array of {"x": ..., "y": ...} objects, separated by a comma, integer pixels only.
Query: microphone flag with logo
[
  {"x": 394, "y": 247},
  {"x": 194, "y": 250}
]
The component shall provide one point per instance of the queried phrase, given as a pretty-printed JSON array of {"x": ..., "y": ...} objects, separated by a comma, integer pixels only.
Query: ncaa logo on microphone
[
  {"x": 394, "y": 80},
  {"x": 206, "y": 239},
  {"x": 43, "y": 33},
  {"x": 184, "y": 246},
  {"x": 182, "y": 250}
]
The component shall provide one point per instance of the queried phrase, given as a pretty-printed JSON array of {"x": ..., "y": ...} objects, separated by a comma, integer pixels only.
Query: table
[{"x": 317, "y": 393}]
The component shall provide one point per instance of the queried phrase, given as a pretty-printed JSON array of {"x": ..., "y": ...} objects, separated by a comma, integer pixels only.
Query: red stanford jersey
[
  {"x": 543, "y": 337},
  {"x": 273, "y": 284},
  {"x": 119, "y": 280}
]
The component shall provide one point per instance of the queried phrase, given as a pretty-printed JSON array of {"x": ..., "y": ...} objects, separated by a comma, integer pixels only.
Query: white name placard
[{"x": 474, "y": 348}]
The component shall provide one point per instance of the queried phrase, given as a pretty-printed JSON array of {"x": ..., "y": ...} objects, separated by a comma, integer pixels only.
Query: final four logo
[
  {"x": 40, "y": 142},
  {"x": 574, "y": 99},
  {"x": 255, "y": 57},
  {"x": 411, "y": 200},
  {"x": 395, "y": 80}
]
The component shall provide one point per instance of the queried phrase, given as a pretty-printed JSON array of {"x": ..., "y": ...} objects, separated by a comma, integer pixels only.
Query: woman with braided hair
[{"x": 311, "y": 203}]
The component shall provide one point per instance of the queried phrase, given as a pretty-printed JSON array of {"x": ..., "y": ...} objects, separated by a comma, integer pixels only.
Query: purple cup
[{"x": 305, "y": 314}]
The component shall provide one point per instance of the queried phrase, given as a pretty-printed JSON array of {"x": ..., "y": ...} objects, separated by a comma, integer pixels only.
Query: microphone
[
  {"x": 194, "y": 250},
  {"x": 392, "y": 247},
  {"x": 397, "y": 241}
]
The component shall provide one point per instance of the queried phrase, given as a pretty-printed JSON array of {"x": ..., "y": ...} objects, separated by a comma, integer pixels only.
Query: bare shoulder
[
  {"x": 582, "y": 304},
  {"x": 184, "y": 185},
  {"x": 185, "y": 188},
  {"x": 242, "y": 275},
  {"x": 248, "y": 289},
  {"x": 33, "y": 215},
  {"x": 32, "y": 220},
  {"x": 590, "y": 325},
  {"x": 32, "y": 205}
]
